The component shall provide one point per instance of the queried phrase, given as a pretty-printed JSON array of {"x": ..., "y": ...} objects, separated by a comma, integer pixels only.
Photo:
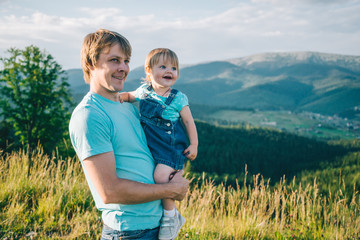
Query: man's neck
[{"x": 113, "y": 96}]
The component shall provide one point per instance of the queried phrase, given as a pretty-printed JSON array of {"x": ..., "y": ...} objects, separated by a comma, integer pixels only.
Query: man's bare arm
[{"x": 102, "y": 172}]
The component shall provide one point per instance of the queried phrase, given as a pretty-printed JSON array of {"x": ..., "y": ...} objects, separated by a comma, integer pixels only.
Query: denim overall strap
[
  {"x": 149, "y": 107},
  {"x": 171, "y": 96}
]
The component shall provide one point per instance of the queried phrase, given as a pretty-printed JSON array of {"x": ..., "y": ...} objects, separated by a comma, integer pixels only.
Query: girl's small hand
[
  {"x": 119, "y": 98},
  {"x": 191, "y": 152}
]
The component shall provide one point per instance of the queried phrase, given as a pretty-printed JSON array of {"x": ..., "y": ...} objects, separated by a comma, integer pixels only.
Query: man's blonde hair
[
  {"x": 95, "y": 43},
  {"x": 154, "y": 56}
]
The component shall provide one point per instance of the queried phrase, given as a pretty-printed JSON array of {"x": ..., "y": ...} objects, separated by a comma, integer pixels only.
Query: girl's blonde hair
[
  {"x": 95, "y": 43},
  {"x": 154, "y": 56}
]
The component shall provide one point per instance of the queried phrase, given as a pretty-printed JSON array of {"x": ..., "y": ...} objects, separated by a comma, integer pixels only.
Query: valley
[{"x": 306, "y": 124}]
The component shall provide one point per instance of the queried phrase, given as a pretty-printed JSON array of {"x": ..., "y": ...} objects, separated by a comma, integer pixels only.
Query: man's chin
[{"x": 119, "y": 87}]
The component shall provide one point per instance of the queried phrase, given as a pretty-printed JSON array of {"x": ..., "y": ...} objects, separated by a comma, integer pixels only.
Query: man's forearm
[
  {"x": 130, "y": 192},
  {"x": 102, "y": 171}
]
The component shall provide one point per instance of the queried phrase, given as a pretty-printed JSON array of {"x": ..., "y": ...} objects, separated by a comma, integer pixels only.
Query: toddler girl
[{"x": 164, "y": 112}]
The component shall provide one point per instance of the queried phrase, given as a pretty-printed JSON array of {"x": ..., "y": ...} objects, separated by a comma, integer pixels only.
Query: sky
[{"x": 197, "y": 30}]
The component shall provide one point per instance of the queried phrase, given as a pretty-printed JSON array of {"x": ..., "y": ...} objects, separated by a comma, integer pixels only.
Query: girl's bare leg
[{"x": 161, "y": 175}]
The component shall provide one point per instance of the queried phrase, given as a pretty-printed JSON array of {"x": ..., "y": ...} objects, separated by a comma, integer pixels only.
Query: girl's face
[{"x": 162, "y": 75}]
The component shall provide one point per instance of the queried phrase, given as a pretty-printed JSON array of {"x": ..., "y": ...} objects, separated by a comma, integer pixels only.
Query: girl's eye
[
  {"x": 114, "y": 60},
  {"x": 127, "y": 61},
  {"x": 162, "y": 67},
  {"x": 174, "y": 68}
]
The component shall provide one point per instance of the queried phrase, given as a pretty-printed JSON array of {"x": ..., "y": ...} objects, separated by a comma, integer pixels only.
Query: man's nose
[{"x": 123, "y": 67}]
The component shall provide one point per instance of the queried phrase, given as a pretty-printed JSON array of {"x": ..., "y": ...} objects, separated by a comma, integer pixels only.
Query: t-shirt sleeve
[
  {"x": 90, "y": 133},
  {"x": 181, "y": 101},
  {"x": 140, "y": 91}
]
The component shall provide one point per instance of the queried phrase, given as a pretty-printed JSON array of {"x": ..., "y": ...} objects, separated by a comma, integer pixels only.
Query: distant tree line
[{"x": 272, "y": 153}]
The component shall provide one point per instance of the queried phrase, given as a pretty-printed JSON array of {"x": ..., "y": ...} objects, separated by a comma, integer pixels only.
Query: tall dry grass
[
  {"x": 261, "y": 212},
  {"x": 54, "y": 202}
]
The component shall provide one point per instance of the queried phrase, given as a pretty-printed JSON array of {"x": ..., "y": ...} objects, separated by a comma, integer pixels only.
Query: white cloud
[
  {"x": 303, "y": 2},
  {"x": 242, "y": 29}
]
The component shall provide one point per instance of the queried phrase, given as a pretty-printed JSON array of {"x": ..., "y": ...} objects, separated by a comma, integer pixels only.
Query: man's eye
[{"x": 115, "y": 60}]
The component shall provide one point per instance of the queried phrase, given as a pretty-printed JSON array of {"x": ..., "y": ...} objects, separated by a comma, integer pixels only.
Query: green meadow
[{"x": 302, "y": 123}]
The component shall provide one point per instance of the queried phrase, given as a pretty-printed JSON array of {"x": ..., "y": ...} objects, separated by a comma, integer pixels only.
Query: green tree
[{"x": 35, "y": 100}]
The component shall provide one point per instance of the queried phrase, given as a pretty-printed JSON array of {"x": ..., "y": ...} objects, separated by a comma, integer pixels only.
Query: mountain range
[{"x": 297, "y": 81}]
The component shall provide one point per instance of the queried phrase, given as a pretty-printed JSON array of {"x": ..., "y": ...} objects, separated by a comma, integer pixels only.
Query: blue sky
[{"x": 197, "y": 30}]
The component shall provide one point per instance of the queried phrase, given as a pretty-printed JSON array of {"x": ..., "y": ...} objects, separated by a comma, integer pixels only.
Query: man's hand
[{"x": 180, "y": 185}]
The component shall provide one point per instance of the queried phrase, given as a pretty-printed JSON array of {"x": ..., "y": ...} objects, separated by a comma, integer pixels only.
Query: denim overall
[{"x": 166, "y": 139}]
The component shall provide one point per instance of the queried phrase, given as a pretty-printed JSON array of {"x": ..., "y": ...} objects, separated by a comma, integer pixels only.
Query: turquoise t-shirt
[
  {"x": 172, "y": 111},
  {"x": 99, "y": 125}
]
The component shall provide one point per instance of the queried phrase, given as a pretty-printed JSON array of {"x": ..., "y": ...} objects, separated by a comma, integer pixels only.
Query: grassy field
[
  {"x": 54, "y": 202},
  {"x": 305, "y": 124}
]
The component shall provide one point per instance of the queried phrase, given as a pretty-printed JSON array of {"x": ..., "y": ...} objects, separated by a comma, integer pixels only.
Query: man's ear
[{"x": 91, "y": 67}]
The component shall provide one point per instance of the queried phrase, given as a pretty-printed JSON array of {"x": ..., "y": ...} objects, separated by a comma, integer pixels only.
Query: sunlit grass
[
  {"x": 55, "y": 202},
  {"x": 260, "y": 212}
]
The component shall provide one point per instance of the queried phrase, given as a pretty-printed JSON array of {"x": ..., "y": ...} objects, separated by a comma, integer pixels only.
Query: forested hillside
[
  {"x": 343, "y": 173},
  {"x": 273, "y": 154}
]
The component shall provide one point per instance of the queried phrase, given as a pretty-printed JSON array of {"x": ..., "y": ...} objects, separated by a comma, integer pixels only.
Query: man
[{"x": 111, "y": 145}]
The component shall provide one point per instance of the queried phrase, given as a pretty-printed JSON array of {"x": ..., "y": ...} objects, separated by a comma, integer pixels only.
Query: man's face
[{"x": 110, "y": 72}]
